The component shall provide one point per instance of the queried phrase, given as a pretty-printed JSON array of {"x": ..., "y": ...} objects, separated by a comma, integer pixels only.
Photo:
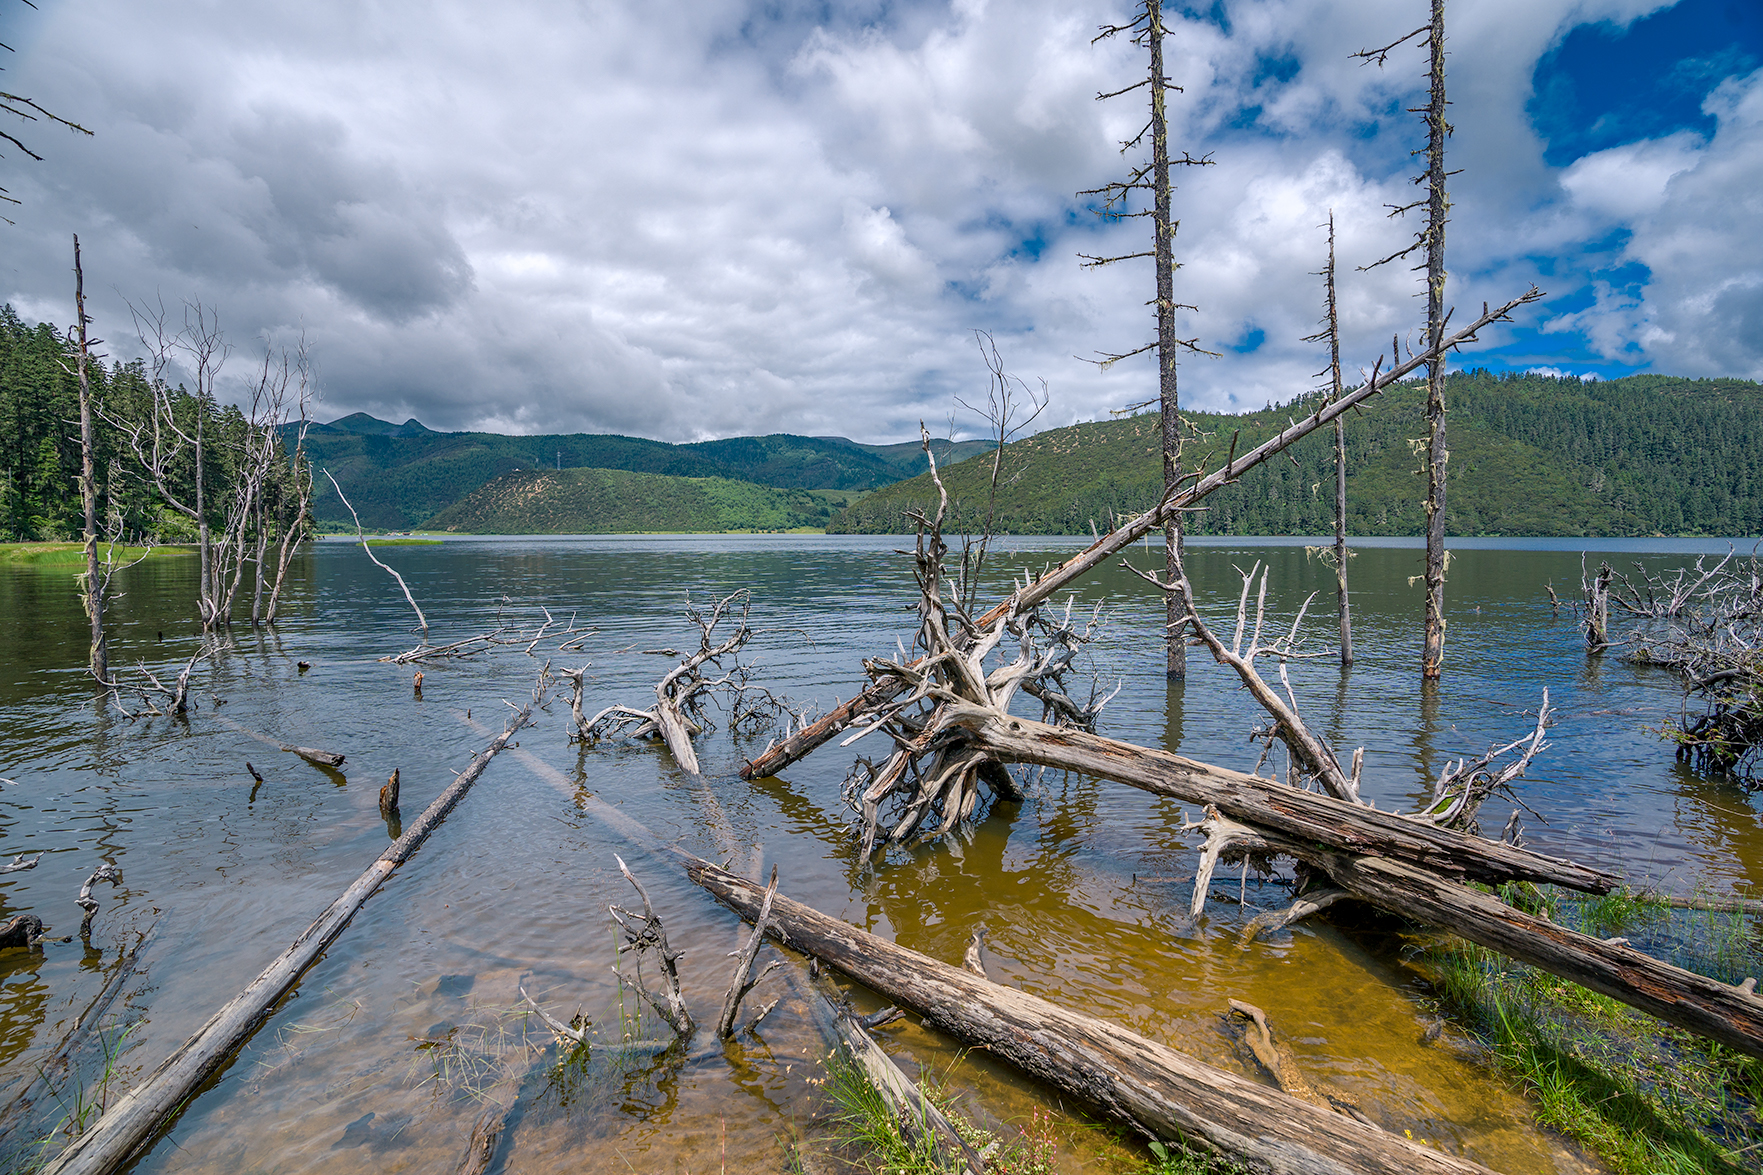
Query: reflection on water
[{"x": 410, "y": 1024}]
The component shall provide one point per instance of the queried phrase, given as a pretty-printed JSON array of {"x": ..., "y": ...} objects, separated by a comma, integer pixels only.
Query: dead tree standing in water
[
  {"x": 1146, "y": 30},
  {"x": 1432, "y": 239},
  {"x": 1331, "y": 333},
  {"x": 95, "y": 583}
]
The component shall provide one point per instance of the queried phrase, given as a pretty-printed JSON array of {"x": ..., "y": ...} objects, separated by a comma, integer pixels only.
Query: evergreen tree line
[
  {"x": 1529, "y": 455},
  {"x": 40, "y": 449}
]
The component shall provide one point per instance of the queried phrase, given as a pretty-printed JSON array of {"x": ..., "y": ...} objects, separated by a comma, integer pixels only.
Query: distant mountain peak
[{"x": 362, "y": 424}]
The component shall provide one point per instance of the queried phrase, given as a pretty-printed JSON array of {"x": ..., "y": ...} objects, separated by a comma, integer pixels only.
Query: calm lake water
[{"x": 386, "y": 1053}]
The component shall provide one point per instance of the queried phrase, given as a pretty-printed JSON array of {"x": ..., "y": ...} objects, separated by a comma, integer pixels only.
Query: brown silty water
[{"x": 411, "y": 1024}]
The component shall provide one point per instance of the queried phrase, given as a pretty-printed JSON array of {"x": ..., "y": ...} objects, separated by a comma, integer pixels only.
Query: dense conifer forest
[{"x": 1529, "y": 455}]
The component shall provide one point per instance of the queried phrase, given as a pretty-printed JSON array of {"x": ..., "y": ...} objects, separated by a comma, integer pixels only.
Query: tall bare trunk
[
  {"x": 1437, "y": 205},
  {"x": 1340, "y": 457},
  {"x": 100, "y": 656},
  {"x": 1176, "y": 660}
]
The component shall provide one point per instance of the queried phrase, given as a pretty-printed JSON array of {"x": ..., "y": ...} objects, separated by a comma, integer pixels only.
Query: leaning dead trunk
[
  {"x": 1305, "y": 817},
  {"x": 1058, "y": 579},
  {"x": 1155, "y": 1091}
]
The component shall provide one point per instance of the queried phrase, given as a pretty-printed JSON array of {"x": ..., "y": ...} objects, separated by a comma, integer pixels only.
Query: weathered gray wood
[
  {"x": 314, "y": 755},
  {"x": 1303, "y": 816},
  {"x": 130, "y": 1124},
  {"x": 1151, "y": 1088}
]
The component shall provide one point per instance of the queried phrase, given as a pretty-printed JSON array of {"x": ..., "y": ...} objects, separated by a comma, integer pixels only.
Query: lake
[{"x": 385, "y": 1054}]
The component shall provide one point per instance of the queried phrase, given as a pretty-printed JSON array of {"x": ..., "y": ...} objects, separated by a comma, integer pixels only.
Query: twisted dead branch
[
  {"x": 87, "y": 902},
  {"x": 680, "y": 696},
  {"x": 649, "y": 935}
]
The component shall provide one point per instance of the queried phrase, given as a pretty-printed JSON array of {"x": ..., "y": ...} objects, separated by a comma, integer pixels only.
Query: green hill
[
  {"x": 399, "y": 475},
  {"x": 616, "y": 501},
  {"x": 1530, "y": 455}
]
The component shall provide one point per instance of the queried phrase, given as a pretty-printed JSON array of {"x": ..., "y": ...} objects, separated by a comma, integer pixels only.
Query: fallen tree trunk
[
  {"x": 1158, "y": 1092},
  {"x": 1404, "y": 866},
  {"x": 133, "y": 1122},
  {"x": 1305, "y": 817}
]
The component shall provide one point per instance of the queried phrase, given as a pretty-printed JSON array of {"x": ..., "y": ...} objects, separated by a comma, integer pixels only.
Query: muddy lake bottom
[{"x": 411, "y": 1024}]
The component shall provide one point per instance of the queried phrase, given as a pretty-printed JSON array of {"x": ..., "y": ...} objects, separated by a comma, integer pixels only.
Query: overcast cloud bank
[{"x": 567, "y": 217}]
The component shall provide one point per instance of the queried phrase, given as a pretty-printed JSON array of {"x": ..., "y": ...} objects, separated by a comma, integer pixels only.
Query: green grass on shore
[
  {"x": 73, "y": 555},
  {"x": 1648, "y": 1098}
]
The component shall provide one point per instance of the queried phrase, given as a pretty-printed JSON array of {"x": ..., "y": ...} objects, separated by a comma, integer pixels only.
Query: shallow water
[{"x": 386, "y": 1052}]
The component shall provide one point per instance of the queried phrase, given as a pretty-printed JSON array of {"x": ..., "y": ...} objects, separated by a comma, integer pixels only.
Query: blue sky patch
[{"x": 1605, "y": 86}]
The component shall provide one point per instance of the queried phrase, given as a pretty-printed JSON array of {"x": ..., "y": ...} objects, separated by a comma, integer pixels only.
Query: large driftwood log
[
  {"x": 1154, "y": 1090},
  {"x": 1306, "y": 817},
  {"x": 1038, "y": 591},
  {"x": 1412, "y": 869},
  {"x": 134, "y": 1121}
]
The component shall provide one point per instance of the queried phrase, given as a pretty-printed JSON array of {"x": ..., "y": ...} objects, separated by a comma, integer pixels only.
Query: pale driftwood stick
[
  {"x": 1304, "y": 816},
  {"x": 740, "y": 985},
  {"x": 1313, "y": 902},
  {"x": 1150, "y": 1088},
  {"x": 134, "y": 1121},
  {"x": 19, "y": 863},
  {"x": 420, "y": 618},
  {"x": 804, "y": 741},
  {"x": 570, "y": 1034},
  {"x": 87, "y": 902}
]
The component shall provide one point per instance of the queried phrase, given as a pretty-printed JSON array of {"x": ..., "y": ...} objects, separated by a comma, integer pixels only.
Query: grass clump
[
  {"x": 73, "y": 555},
  {"x": 1648, "y": 1098}
]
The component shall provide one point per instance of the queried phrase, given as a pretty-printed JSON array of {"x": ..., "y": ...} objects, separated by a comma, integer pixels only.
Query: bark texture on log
[
  {"x": 1306, "y": 817},
  {"x": 1154, "y": 1090},
  {"x": 134, "y": 1120}
]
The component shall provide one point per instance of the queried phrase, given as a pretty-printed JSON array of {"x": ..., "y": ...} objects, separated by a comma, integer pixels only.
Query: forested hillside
[
  {"x": 400, "y": 476},
  {"x": 616, "y": 501},
  {"x": 1530, "y": 455}
]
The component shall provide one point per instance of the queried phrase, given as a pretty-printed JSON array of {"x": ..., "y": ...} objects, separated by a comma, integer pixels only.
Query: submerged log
[
  {"x": 1153, "y": 1089},
  {"x": 136, "y": 1119},
  {"x": 1305, "y": 817}
]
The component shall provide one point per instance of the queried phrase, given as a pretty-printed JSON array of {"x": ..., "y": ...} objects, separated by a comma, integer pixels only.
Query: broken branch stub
[{"x": 744, "y": 981}]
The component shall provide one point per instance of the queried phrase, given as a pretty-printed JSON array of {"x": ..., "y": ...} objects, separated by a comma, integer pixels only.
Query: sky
[{"x": 732, "y": 218}]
